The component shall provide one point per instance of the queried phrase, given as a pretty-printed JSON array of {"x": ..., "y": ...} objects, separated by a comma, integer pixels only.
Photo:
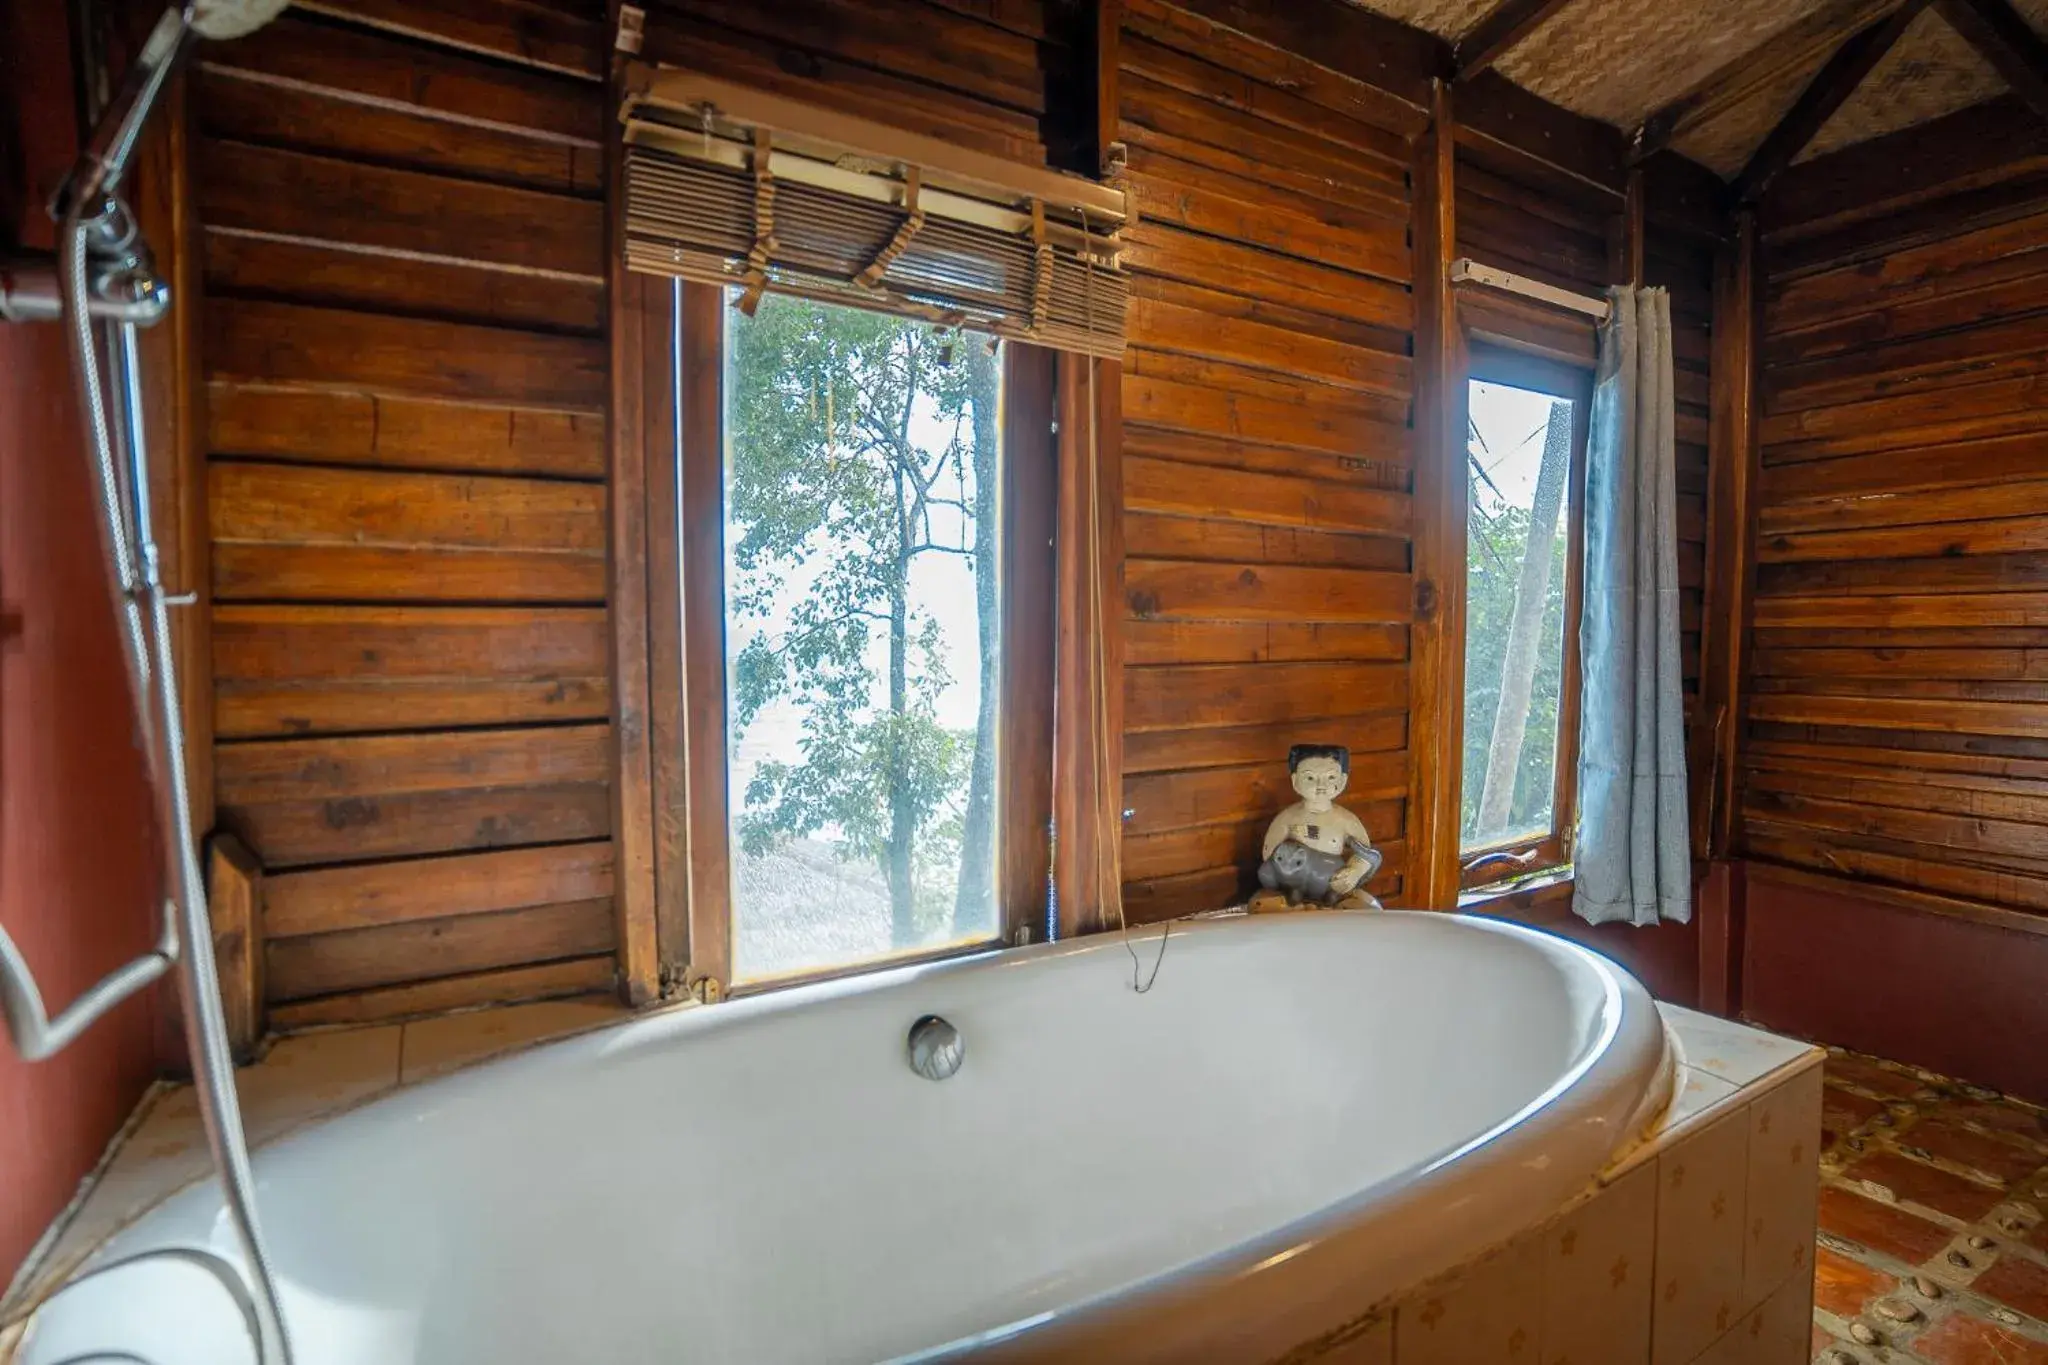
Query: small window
[
  {"x": 1526, "y": 443},
  {"x": 863, "y": 636}
]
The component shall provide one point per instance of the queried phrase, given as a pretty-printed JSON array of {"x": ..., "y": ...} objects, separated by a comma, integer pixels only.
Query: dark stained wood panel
[
  {"x": 522, "y": 31},
  {"x": 1266, "y": 444},
  {"x": 274, "y": 342},
  {"x": 242, "y": 105},
  {"x": 959, "y": 72},
  {"x": 380, "y": 70},
  {"x": 300, "y": 669},
  {"x": 368, "y": 960},
  {"x": 401, "y": 211},
  {"x": 335, "y": 276},
  {"x": 358, "y": 798},
  {"x": 327, "y": 426},
  {"x": 254, "y": 189},
  {"x": 330, "y": 899},
  {"x": 1898, "y": 715}
]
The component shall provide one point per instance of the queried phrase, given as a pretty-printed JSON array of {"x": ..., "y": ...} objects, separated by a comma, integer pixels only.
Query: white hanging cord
[
  {"x": 1109, "y": 882},
  {"x": 99, "y": 248}
]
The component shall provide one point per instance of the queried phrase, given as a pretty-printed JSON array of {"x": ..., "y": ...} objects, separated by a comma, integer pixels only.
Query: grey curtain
[{"x": 1632, "y": 858}]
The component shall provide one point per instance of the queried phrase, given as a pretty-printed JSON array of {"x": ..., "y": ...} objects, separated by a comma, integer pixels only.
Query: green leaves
[{"x": 851, "y": 458}]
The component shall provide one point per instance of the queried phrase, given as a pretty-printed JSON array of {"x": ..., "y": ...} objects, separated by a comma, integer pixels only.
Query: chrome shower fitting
[{"x": 104, "y": 273}]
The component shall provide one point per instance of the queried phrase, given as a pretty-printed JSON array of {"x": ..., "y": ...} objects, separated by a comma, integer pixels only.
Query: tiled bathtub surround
[{"x": 1696, "y": 1247}]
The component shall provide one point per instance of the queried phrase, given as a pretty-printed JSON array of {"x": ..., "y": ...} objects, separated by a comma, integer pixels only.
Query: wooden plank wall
[
  {"x": 1268, "y": 424},
  {"x": 973, "y": 72},
  {"x": 405, "y": 411},
  {"x": 1898, "y": 712},
  {"x": 1679, "y": 255},
  {"x": 407, "y": 365},
  {"x": 1267, "y": 446}
]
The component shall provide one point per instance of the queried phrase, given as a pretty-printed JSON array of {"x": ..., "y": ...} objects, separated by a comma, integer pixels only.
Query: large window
[
  {"x": 863, "y": 635},
  {"x": 852, "y": 621},
  {"x": 1526, "y": 445}
]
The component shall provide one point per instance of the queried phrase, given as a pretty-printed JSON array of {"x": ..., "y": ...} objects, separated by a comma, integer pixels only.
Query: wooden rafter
[
  {"x": 1827, "y": 92},
  {"x": 1500, "y": 32},
  {"x": 2006, "y": 41},
  {"x": 1801, "y": 47}
]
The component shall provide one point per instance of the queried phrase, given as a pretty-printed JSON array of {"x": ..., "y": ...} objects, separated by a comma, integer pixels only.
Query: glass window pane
[
  {"x": 1518, "y": 535},
  {"x": 862, "y": 635}
]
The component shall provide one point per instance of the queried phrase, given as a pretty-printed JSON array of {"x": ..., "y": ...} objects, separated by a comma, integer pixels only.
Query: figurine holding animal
[{"x": 1316, "y": 852}]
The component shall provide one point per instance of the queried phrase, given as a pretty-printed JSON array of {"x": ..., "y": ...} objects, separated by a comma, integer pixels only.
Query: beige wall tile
[
  {"x": 1492, "y": 1315},
  {"x": 304, "y": 1077},
  {"x": 1702, "y": 1183},
  {"x": 1598, "y": 1273},
  {"x": 1735, "y": 1052},
  {"x": 1778, "y": 1331},
  {"x": 166, "y": 1152},
  {"x": 1372, "y": 1344},
  {"x": 1697, "y": 1099},
  {"x": 1784, "y": 1186},
  {"x": 435, "y": 1046}
]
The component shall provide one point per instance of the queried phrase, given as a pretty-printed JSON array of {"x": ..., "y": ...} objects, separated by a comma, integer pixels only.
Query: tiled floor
[{"x": 1933, "y": 1246}]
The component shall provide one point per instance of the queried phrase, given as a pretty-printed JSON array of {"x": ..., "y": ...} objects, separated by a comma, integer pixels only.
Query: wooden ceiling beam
[
  {"x": 1802, "y": 46},
  {"x": 1500, "y": 32},
  {"x": 2005, "y": 40},
  {"x": 1827, "y": 92}
]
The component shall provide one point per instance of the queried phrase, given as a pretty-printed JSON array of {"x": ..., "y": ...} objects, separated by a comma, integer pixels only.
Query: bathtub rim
[
  {"x": 1204, "y": 1298},
  {"x": 1169, "y": 1294}
]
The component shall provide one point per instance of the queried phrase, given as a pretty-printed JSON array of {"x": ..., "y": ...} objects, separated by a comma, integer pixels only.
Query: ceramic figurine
[{"x": 1316, "y": 852}]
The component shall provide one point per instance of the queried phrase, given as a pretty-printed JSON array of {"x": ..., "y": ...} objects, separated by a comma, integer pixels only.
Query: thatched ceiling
[{"x": 1621, "y": 61}]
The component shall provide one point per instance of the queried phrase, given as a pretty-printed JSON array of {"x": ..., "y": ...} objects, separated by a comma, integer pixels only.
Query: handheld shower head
[
  {"x": 104, "y": 160},
  {"x": 232, "y": 18}
]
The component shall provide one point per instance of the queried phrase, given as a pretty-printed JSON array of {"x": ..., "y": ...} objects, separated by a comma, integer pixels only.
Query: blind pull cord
[
  {"x": 764, "y": 225},
  {"x": 871, "y": 277}
]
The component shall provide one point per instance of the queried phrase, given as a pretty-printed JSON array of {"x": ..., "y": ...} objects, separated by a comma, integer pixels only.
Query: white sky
[{"x": 1510, "y": 422}]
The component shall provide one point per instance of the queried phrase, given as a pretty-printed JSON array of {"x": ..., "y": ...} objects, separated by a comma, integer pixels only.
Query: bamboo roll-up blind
[{"x": 732, "y": 187}]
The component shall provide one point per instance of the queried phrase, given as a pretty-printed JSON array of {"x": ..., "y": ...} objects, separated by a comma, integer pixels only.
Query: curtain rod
[{"x": 1466, "y": 270}]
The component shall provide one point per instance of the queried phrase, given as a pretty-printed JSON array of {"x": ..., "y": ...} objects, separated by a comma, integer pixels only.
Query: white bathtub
[{"x": 1303, "y": 1115}]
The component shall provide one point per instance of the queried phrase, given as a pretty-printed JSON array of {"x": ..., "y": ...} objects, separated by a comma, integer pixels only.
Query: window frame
[
  {"x": 685, "y": 440},
  {"x": 1491, "y": 866}
]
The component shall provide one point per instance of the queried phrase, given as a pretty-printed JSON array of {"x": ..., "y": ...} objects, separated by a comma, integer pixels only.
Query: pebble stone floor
[{"x": 1933, "y": 1242}]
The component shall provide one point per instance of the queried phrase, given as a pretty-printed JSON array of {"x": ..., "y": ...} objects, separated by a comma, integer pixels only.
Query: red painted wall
[
  {"x": 77, "y": 870},
  {"x": 1664, "y": 957},
  {"x": 1959, "y": 996}
]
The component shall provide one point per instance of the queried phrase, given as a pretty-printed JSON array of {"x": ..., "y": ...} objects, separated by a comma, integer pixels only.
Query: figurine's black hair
[{"x": 1297, "y": 753}]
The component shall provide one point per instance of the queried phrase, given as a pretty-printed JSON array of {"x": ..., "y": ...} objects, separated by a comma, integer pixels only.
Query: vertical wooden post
[
  {"x": 1633, "y": 231},
  {"x": 234, "y": 893},
  {"x": 632, "y": 775},
  {"x": 1088, "y": 688},
  {"x": 1030, "y": 634},
  {"x": 700, "y": 396},
  {"x": 1722, "y": 908},
  {"x": 1109, "y": 30},
  {"x": 1731, "y": 524},
  {"x": 660, "y": 300},
  {"x": 1109, "y": 567},
  {"x": 1436, "y": 663},
  {"x": 1725, "y": 617}
]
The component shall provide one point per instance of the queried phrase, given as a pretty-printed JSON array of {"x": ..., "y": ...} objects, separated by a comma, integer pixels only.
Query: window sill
[{"x": 1547, "y": 887}]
